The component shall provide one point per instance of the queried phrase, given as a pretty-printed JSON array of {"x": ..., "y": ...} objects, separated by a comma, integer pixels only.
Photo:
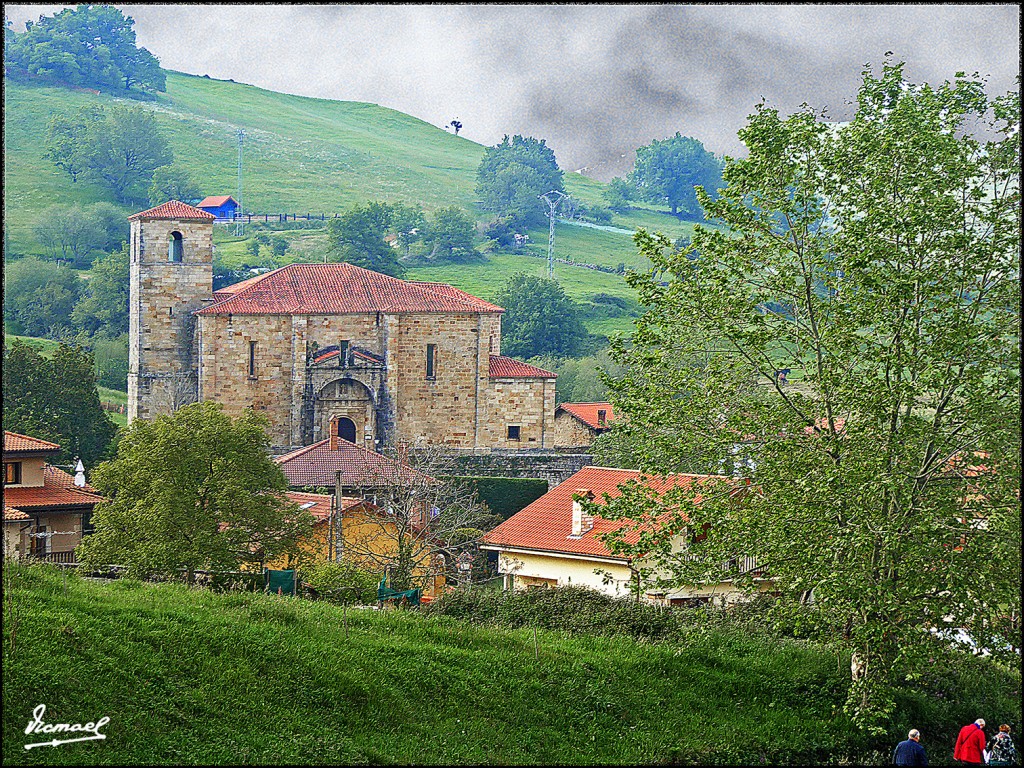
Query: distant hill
[{"x": 308, "y": 155}]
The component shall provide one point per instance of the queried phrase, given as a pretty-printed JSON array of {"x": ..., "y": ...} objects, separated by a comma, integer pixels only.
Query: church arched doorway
[
  {"x": 344, "y": 408},
  {"x": 347, "y": 429}
]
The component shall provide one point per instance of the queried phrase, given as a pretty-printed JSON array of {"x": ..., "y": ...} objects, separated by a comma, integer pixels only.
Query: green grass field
[
  {"x": 188, "y": 676},
  {"x": 312, "y": 155}
]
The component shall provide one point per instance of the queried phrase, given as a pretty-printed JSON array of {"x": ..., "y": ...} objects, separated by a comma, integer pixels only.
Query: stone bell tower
[{"x": 171, "y": 276}]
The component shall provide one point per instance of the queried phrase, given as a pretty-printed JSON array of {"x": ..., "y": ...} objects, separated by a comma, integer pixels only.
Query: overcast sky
[{"x": 595, "y": 81}]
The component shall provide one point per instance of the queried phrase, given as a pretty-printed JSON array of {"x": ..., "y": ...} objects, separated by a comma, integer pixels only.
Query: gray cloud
[{"x": 596, "y": 81}]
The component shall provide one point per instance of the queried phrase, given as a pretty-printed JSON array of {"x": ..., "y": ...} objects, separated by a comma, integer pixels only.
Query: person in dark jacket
[
  {"x": 1001, "y": 748},
  {"x": 910, "y": 752}
]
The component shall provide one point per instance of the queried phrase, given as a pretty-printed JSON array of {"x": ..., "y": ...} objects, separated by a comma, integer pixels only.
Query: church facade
[{"x": 323, "y": 349}]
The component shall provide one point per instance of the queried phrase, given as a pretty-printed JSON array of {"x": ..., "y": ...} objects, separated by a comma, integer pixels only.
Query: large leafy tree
[
  {"x": 667, "y": 171},
  {"x": 357, "y": 236},
  {"x": 879, "y": 261},
  {"x": 91, "y": 45},
  {"x": 39, "y": 297},
  {"x": 173, "y": 182},
  {"x": 513, "y": 174},
  {"x": 56, "y": 399},
  {"x": 540, "y": 319},
  {"x": 450, "y": 235},
  {"x": 193, "y": 490},
  {"x": 103, "y": 310}
]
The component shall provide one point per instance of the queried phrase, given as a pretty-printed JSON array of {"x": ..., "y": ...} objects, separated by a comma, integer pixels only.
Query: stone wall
[
  {"x": 525, "y": 403},
  {"x": 553, "y": 466},
  {"x": 570, "y": 432},
  {"x": 162, "y": 296}
]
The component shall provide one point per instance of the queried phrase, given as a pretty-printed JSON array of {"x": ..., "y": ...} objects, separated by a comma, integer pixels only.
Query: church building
[{"x": 323, "y": 349}]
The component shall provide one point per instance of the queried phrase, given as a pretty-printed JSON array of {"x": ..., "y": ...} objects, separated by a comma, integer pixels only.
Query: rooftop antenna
[
  {"x": 553, "y": 203},
  {"x": 238, "y": 213}
]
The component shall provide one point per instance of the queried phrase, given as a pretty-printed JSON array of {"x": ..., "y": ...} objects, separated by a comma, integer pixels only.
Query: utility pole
[
  {"x": 553, "y": 203},
  {"x": 241, "y": 208}
]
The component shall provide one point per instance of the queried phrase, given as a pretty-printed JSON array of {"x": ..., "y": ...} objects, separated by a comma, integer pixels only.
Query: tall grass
[{"x": 190, "y": 676}]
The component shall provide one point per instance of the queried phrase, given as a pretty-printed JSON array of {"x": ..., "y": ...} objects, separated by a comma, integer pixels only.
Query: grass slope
[
  {"x": 189, "y": 676},
  {"x": 309, "y": 155}
]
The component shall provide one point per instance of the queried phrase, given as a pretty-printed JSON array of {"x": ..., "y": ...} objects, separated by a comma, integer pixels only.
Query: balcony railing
[{"x": 67, "y": 558}]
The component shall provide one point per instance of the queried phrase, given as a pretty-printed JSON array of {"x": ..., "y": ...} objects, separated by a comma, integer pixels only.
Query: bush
[
  {"x": 505, "y": 496},
  {"x": 341, "y": 583},
  {"x": 567, "y": 609}
]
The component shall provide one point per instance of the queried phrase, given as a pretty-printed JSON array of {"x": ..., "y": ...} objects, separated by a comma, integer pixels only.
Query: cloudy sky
[{"x": 596, "y": 81}]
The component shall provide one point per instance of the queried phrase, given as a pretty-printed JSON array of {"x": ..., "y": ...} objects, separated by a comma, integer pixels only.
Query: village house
[
  {"x": 223, "y": 207},
  {"x": 322, "y": 347},
  {"x": 46, "y": 510},
  {"x": 554, "y": 542},
  {"x": 577, "y": 424},
  {"x": 354, "y": 530},
  {"x": 361, "y": 472}
]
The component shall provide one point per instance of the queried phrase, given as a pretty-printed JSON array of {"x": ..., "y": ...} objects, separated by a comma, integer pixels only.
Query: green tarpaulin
[{"x": 281, "y": 582}]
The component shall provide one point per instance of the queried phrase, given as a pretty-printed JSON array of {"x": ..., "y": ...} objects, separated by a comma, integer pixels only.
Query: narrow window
[
  {"x": 513, "y": 432},
  {"x": 12, "y": 473},
  {"x": 602, "y": 417},
  {"x": 431, "y": 350},
  {"x": 176, "y": 247},
  {"x": 252, "y": 359},
  {"x": 344, "y": 354}
]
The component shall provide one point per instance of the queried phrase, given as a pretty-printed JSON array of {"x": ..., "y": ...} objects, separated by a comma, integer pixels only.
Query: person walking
[
  {"x": 970, "y": 744},
  {"x": 1001, "y": 749},
  {"x": 910, "y": 752}
]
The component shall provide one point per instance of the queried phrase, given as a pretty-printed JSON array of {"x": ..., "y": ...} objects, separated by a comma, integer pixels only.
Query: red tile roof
[
  {"x": 501, "y": 367},
  {"x": 319, "y": 505},
  {"x": 173, "y": 209},
  {"x": 58, "y": 490},
  {"x": 331, "y": 289},
  {"x": 10, "y": 513},
  {"x": 214, "y": 201},
  {"x": 546, "y": 524},
  {"x": 316, "y": 465},
  {"x": 15, "y": 443},
  {"x": 587, "y": 413}
]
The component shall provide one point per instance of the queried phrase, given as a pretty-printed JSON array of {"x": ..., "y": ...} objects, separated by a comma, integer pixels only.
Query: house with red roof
[
  {"x": 323, "y": 349},
  {"x": 577, "y": 424},
  {"x": 555, "y": 542},
  {"x": 359, "y": 470},
  {"x": 46, "y": 510},
  {"x": 223, "y": 207}
]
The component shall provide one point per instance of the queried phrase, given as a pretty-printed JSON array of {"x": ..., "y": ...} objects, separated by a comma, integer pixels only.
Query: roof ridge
[{"x": 299, "y": 451}]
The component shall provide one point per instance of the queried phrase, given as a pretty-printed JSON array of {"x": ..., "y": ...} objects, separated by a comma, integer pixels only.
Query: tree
[
  {"x": 456, "y": 126},
  {"x": 56, "y": 399},
  {"x": 420, "y": 518},
  {"x": 883, "y": 486},
  {"x": 65, "y": 135},
  {"x": 192, "y": 490},
  {"x": 357, "y": 236},
  {"x": 618, "y": 194},
  {"x": 91, "y": 45},
  {"x": 667, "y": 171},
  {"x": 450, "y": 235},
  {"x": 39, "y": 297},
  {"x": 113, "y": 223},
  {"x": 539, "y": 319},
  {"x": 123, "y": 150},
  {"x": 103, "y": 310},
  {"x": 408, "y": 223},
  {"x": 173, "y": 182},
  {"x": 513, "y": 174},
  {"x": 68, "y": 233}
]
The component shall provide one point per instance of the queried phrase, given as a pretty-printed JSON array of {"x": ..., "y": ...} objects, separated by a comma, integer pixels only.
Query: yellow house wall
[{"x": 31, "y": 472}]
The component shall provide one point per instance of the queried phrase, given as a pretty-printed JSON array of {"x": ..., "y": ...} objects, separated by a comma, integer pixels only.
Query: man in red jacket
[{"x": 970, "y": 744}]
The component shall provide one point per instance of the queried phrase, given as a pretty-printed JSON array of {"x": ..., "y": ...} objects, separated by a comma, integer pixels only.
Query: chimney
[
  {"x": 80, "y": 475},
  {"x": 581, "y": 521},
  {"x": 334, "y": 433},
  {"x": 602, "y": 417}
]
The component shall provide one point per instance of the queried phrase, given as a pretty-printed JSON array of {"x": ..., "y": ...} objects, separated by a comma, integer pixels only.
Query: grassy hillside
[
  {"x": 187, "y": 676},
  {"x": 307, "y": 155}
]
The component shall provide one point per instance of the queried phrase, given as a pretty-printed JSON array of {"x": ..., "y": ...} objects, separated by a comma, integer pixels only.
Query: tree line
[{"x": 88, "y": 46}]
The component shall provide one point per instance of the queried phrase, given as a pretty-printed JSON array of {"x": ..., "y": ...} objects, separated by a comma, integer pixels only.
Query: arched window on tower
[{"x": 176, "y": 248}]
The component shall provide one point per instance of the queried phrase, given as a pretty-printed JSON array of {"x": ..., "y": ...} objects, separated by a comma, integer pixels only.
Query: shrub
[
  {"x": 506, "y": 495},
  {"x": 341, "y": 583}
]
